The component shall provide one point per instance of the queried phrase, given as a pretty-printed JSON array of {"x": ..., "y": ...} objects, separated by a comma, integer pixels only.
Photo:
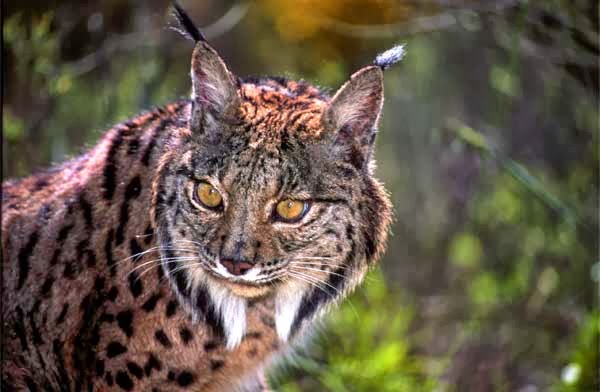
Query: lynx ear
[
  {"x": 215, "y": 97},
  {"x": 352, "y": 114}
]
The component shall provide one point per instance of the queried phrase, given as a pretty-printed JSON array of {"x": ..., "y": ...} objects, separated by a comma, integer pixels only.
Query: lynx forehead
[
  {"x": 278, "y": 107},
  {"x": 195, "y": 242}
]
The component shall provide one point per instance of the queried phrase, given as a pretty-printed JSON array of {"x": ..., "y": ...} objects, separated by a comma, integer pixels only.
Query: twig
[
  {"x": 132, "y": 41},
  {"x": 440, "y": 21}
]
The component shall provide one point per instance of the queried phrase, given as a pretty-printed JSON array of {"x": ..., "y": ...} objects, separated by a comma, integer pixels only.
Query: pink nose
[{"x": 236, "y": 267}]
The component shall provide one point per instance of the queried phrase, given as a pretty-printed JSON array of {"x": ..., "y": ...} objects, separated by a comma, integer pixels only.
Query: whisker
[
  {"x": 174, "y": 271},
  {"x": 154, "y": 249},
  {"x": 162, "y": 260},
  {"x": 318, "y": 280},
  {"x": 187, "y": 263},
  {"x": 319, "y": 270},
  {"x": 338, "y": 292},
  {"x": 319, "y": 264},
  {"x": 311, "y": 283}
]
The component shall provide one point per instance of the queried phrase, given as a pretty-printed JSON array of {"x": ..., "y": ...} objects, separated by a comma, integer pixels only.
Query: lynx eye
[
  {"x": 291, "y": 211},
  {"x": 208, "y": 196}
]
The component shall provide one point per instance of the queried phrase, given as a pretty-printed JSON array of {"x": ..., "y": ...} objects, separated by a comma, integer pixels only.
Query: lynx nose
[{"x": 236, "y": 267}]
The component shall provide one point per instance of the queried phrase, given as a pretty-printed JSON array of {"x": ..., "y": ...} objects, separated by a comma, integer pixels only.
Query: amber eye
[
  {"x": 208, "y": 196},
  {"x": 290, "y": 211}
]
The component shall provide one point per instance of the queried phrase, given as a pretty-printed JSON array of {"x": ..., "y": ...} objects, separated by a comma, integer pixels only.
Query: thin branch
[
  {"x": 136, "y": 40},
  {"x": 425, "y": 24},
  {"x": 415, "y": 26}
]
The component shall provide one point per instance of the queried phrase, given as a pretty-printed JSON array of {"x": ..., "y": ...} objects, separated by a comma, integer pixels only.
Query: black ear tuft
[
  {"x": 187, "y": 28},
  {"x": 390, "y": 57}
]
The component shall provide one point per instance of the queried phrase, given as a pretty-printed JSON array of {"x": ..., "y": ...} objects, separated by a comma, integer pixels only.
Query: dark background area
[{"x": 488, "y": 145}]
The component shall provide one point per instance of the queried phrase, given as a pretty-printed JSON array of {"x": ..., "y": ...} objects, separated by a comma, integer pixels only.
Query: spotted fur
[{"x": 112, "y": 273}]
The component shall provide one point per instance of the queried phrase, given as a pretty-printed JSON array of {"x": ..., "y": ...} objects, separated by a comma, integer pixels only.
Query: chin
[{"x": 241, "y": 288}]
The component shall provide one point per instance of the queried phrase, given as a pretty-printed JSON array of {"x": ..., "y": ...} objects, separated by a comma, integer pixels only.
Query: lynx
[{"x": 197, "y": 242}]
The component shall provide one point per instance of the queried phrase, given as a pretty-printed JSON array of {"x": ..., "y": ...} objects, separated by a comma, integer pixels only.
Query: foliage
[
  {"x": 581, "y": 373},
  {"x": 361, "y": 348}
]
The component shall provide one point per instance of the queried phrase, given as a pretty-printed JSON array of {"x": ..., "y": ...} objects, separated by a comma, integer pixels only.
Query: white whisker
[
  {"x": 154, "y": 249},
  {"x": 319, "y": 270},
  {"x": 316, "y": 280},
  {"x": 162, "y": 260},
  {"x": 320, "y": 264}
]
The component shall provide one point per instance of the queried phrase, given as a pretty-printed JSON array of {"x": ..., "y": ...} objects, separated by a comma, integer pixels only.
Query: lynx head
[{"x": 269, "y": 193}]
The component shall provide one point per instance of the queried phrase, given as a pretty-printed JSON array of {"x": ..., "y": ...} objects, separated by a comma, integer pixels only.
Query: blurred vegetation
[{"x": 488, "y": 144}]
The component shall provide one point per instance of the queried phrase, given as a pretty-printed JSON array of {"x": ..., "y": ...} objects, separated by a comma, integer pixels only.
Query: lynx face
[{"x": 270, "y": 194}]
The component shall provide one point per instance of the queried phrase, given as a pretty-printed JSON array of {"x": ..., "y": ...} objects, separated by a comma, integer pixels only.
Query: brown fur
[{"x": 77, "y": 312}]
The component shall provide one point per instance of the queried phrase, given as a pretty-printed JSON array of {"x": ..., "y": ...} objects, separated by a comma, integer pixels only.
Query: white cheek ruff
[
  {"x": 232, "y": 310},
  {"x": 287, "y": 303}
]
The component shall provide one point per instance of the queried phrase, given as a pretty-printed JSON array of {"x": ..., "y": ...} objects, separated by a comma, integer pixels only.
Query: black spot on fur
[
  {"x": 86, "y": 210},
  {"x": 112, "y": 294},
  {"x": 47, "y": 286},
  {"x": 99, "y": 368},
  {"x": 185, "y": 378},
  {"x": 124, "y": 381},
  {"x": 171, "y": 308},
  {"x": 150, "y": 303},
  {"x": 211, "y": 345},
  {"x": 109, "y": 379},
  {"x": 135, "y": 370},
  {"x": 106, "y": 318},
  {"x": 63, "y": 233},
  {"x": 55, "y": 256},
  {"x": 186, "y": 335},
  {"x": 162, "y": 338},
  {"x": 131, "y": 192},
  {"x": 81, "y": 248},
  {"x": 135, "y": 284},
  {"x": 134, "y": 188},
  {"x": 133, "y": 146},
  {"x": 110, "y": 169},
  {"x": 253, "y": 335},
  {"x": 152, "y": 364},
  {"x": 99, "y": 283},
  {"x": 23, "y": 257},
  {"x": 70, "y": 270},
  {"x": 135, "y": 249},
  {"x": 125, "y": 322},
  {"x": 114, "y": 349},
  {"x": 216, "y": 364}
]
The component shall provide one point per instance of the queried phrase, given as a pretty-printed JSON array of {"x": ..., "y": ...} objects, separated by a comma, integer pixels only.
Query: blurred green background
[{"x": 488, "y": 144}]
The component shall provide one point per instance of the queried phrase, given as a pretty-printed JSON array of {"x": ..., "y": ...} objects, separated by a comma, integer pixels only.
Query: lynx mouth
[{"x": 243, "y": 288}]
